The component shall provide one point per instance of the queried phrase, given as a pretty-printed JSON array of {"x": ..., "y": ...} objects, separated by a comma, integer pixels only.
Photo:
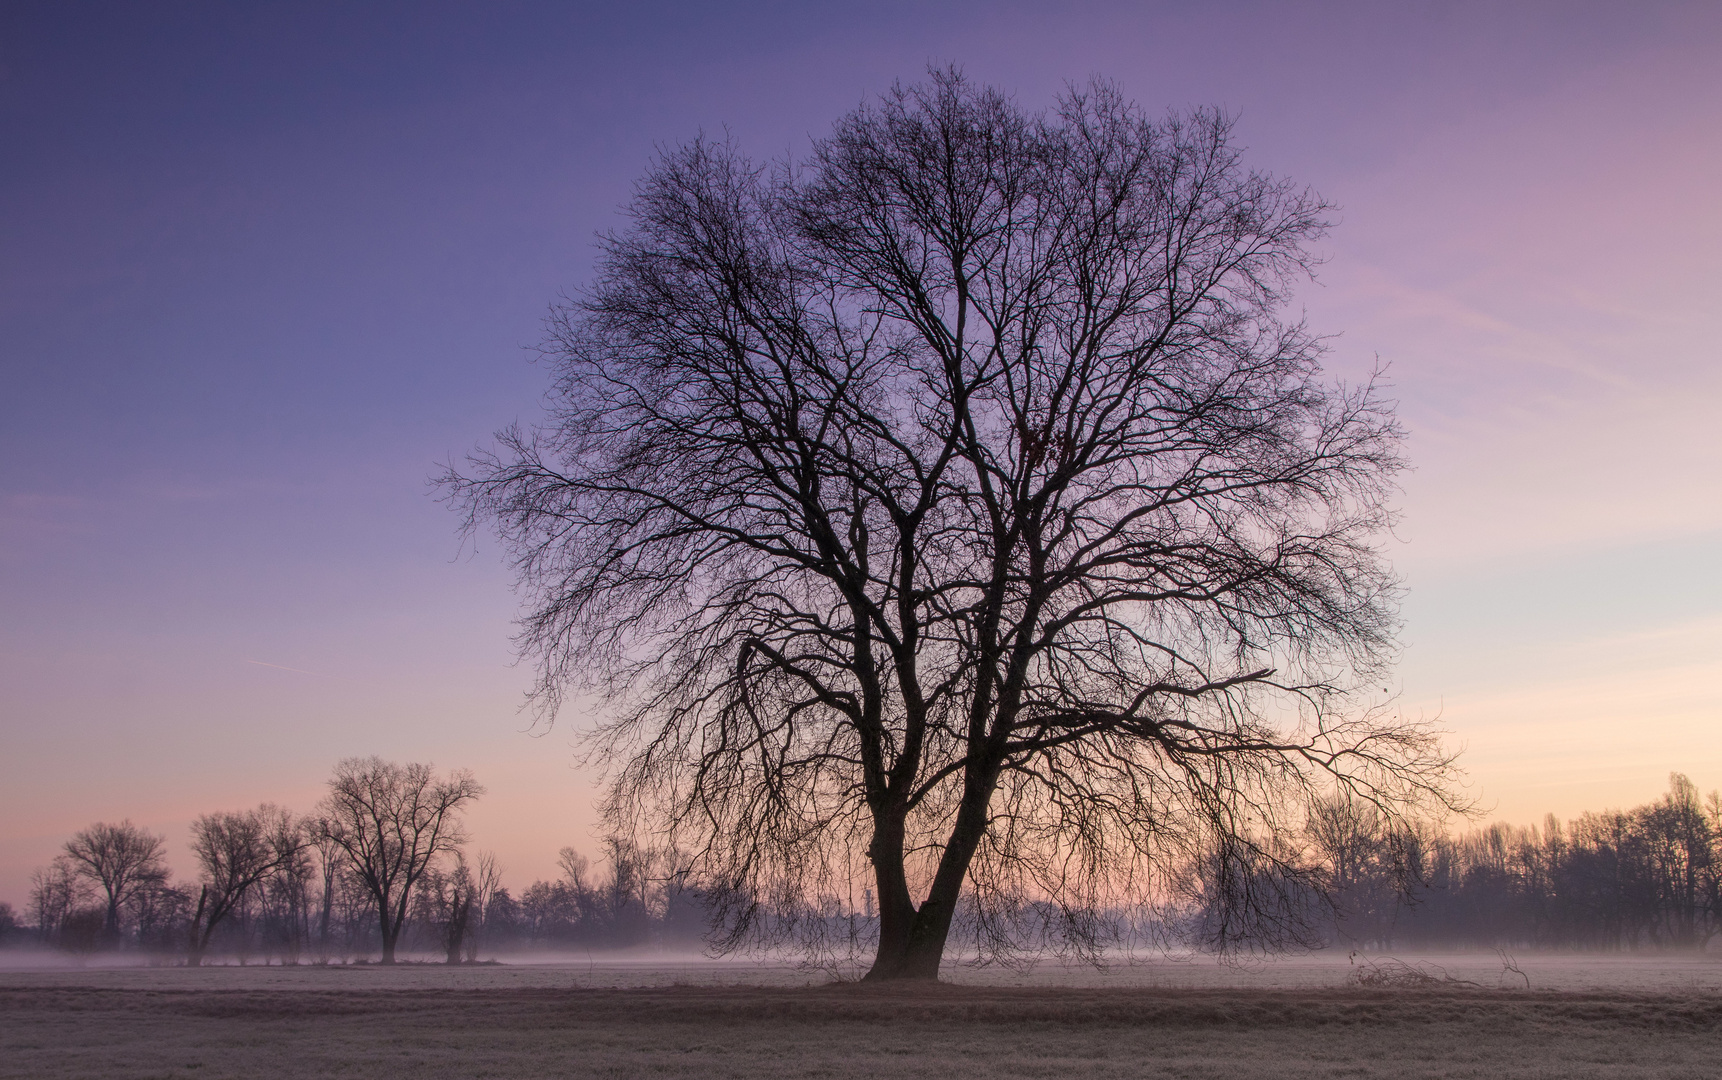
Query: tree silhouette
[
  {"x": 238, "y": 852},
  {"x": 122, "y": 860},
  {"x": 958, "y": 501},
  {"x": 392, "y": 822}
]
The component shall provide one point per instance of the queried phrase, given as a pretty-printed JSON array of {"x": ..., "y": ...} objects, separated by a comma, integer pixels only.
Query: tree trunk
[
  {"x": 916, "y": 945},
  {"x": 328, "y": 912},
  {"x": 390, "y": 933},
  {"x": 458, "y": 911},
  {"x": 194, "y": 954},
  {"x": 896, "y": 907},
  {"x": 912, "y": 940}
]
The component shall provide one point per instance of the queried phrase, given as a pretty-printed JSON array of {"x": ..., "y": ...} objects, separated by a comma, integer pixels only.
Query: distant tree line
[
  {"x": 378, "y": 867},
  {"x": 1649, "y": 877},
  {"x": 381, "y": 865}
]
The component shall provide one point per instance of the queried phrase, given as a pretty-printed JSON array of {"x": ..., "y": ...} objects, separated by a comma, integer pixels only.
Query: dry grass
[{"x": 847, "y": 1030}]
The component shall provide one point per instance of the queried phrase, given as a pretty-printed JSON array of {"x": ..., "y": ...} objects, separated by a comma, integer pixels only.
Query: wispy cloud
[{"x": 284, "y": 667}]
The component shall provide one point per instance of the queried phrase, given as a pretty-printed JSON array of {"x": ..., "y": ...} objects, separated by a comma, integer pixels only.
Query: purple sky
[{"x": 263, "y": 267}]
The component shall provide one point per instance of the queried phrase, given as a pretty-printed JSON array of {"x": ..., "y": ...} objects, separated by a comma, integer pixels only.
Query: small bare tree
[
  {"x": 444, "y": 904},
  {"x": 56, "y": 891},
  {"x": 330, "y": 859},
  {"x": 487, "y": 882},
  {"x": 959, "y": 502},
  {"x": 459, "y": 909},
  {"x": 158, "y": 915},
  {"x": 238, "y": 852},
  {"x": 392, "y": 822},
  {"x": 121, "y": 860},
  {"x": 288, "y": 898}
]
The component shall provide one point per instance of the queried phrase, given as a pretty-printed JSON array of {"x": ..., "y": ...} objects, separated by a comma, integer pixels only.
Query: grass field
[{"x": 422, "y": 1022}]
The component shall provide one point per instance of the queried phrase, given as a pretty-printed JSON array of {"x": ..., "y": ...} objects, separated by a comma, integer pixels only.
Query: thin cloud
[{"x": 283, "y": 667}]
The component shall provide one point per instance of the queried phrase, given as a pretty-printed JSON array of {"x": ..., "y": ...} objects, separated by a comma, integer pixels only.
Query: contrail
[{"x": 282, "y": 667}]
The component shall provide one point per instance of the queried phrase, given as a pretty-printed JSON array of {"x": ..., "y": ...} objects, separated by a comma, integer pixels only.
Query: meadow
[{"x": 1583, "y": 1017}]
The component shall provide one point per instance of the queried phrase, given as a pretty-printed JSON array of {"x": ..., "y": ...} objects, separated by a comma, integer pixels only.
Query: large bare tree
[
  {"x": 392, "y": 822},
  {"x": 959, "y": 500},
  {"x": 122, "y": 860},
  {"x": 238, "y": 852}
]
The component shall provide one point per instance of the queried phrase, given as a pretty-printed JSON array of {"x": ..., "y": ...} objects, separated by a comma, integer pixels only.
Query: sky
[{"x": 265, "y": 267}]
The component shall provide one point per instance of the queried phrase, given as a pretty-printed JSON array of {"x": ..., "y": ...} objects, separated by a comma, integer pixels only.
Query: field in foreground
[{"x": 344, "y": 1029}]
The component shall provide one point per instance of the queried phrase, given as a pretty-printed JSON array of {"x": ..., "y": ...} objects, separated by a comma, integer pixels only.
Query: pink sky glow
[{"x": 263, "y": 273}]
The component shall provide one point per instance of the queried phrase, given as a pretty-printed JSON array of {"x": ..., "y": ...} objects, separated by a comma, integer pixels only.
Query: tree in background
[
  {"x": 329, "y": 866},
  {"x": 445, "y": 905},
  {"x": 56, "y": 891},
  {"x": 1680, "y": 841},
  {"x": 960, "y": 501},
  {"x": 156, "y": 916},
  {"x": 122, "y": 860},
  {"x": 632, "y": 898},
  {"x": 238, "y": 852},
  {"x": 1370, "y": 867},
  {"x": 1650, "y": 876},
  {"x": 486, "y": 886},
  {"x": 288, "y": 899},
  {"x": 392, "y": 822}
]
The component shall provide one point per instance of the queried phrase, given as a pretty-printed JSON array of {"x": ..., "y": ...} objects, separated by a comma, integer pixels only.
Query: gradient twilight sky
[{"x": 264, "y": 266}]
